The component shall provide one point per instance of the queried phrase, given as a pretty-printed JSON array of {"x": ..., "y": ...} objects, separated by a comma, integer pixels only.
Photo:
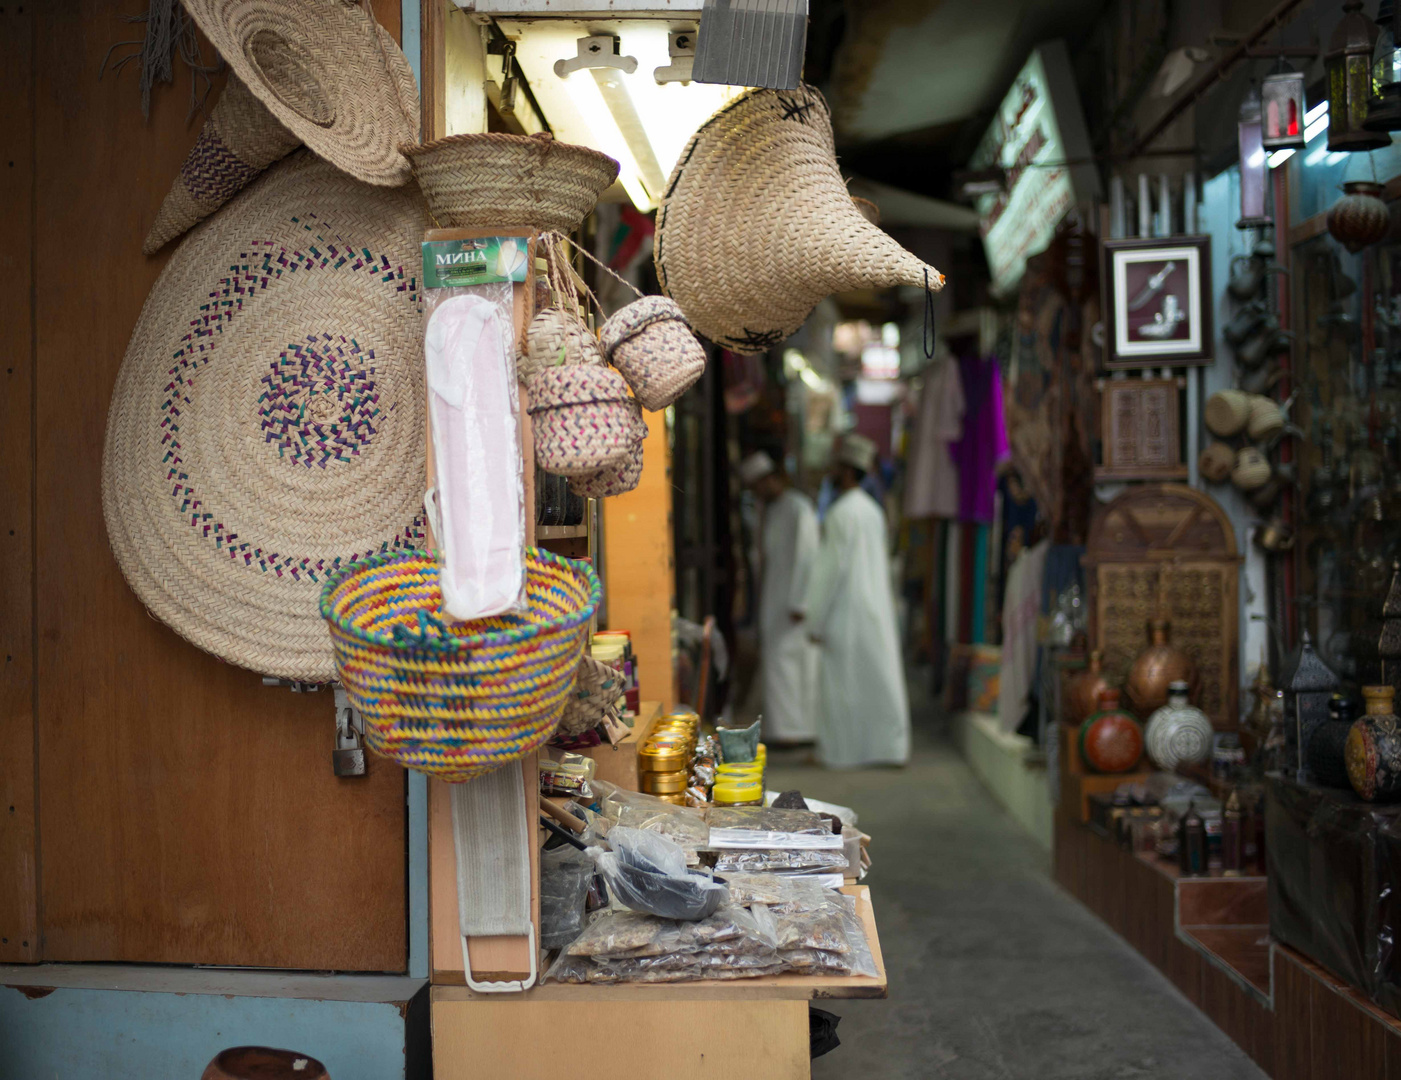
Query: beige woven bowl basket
[
  {"x": 524, "y": 181},
  {"x": 267, "y": 421},
  {"x": 757, "y": 227}
]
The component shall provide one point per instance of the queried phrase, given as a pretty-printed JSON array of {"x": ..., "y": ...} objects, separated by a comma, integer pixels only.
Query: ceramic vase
[
  {"x": 1179, "y": 733},
  {"x": 1111, "y": 740},
  {"x": 1156, "y": 668},
  {"x": 1373, "y": 748}
]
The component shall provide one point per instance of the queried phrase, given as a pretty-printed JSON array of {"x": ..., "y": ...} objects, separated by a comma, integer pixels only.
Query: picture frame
[{"x": 1157, "y": 302}]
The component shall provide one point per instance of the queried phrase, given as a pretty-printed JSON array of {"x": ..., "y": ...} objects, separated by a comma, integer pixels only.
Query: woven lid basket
[
  {"x": 328, "y": 72},
  {"x": 498, "y": 180},
  {"x": 757, "y": 226},
  {"x": 457, "y": 699},
  {"x": 267, "y": 423}
]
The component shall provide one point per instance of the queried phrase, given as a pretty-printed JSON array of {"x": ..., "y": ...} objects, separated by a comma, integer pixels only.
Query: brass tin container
[{"x": 663, "y": 783}]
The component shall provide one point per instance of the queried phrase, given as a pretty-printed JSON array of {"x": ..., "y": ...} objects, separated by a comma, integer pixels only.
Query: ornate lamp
[
  {"x": 1282, "y": 109},
  {"x": 1252, "y": 162},
  {"x": 1306, "y": 695},
  {"x": 1349, "y": 65},
  {"x": 1384, "y": 109}
]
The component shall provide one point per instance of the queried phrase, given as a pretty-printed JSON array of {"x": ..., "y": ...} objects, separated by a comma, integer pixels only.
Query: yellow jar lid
[{"x": 737, "y": 791}]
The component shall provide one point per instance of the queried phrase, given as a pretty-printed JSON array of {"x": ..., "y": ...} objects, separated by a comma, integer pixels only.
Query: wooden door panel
[
  {"x": 187, "y": 813},
  {"x": 19, "y": 918}
]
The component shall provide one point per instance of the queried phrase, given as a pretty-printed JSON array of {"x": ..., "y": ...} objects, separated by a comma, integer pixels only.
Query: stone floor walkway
[{"x": 995, "y": 973}]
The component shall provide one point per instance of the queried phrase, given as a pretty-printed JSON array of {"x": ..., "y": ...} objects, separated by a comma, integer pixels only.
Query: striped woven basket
[{"x": 457, "y": 699}]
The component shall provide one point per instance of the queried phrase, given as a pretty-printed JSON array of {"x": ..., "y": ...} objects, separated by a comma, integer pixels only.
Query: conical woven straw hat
[
  {"x": 267, "y": 422},
  {"x": 240, "y": 139},
  {"x": 757, "y": 226},
  {"x": 327, "y": 71}
]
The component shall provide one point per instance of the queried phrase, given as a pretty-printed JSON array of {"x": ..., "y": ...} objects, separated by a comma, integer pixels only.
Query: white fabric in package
[{"x": 477, "y": 458}]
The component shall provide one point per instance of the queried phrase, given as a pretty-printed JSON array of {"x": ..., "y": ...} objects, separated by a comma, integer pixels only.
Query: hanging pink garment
[{"x": 480, "y": 520}]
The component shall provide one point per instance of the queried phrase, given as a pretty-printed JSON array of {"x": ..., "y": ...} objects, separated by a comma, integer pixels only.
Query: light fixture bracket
[{"x": 596, "y": 51}]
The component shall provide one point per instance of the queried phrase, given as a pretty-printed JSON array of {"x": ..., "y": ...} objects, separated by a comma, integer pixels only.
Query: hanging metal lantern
[
  {"x": 1349, "y": 64},
  {"x": 1282, "y": 110},
  {"x": 1384, "y": 109},
  {"x": 1252, "y": 162},
  {"x": 1360, "y": 218}
]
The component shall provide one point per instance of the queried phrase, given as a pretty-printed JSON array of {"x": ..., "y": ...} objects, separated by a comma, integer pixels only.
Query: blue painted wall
[{"x": 133, "y": 1035}]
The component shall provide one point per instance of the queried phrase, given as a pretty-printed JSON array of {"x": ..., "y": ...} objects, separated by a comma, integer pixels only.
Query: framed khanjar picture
[{"x": 1157, "y": 304}]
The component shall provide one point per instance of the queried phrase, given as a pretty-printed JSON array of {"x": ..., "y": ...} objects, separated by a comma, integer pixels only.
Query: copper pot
[
  {"x": 1157, "y": 666},
  {"x": 1082, "y": 695},
  {"x": 264, "y": 1063}
]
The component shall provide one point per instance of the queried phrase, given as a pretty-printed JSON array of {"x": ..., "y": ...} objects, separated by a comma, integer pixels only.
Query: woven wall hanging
[{"x": 266, "y": 427}]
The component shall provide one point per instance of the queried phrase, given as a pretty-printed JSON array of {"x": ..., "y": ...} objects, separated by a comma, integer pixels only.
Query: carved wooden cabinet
[{"x": 1167, "y": 551}]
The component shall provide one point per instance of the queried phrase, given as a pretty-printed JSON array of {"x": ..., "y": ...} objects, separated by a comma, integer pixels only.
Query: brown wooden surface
[
  {"x": 687, "y": 1040},
  {"x": 19, "y": 894},
  {"x": 188, "y": 814}
]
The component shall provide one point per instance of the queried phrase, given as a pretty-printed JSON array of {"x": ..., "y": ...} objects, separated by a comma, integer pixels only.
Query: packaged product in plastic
[
  {"x": 564, "y": 888},
  {"x": 645, "y": 871},
  {"x": 779, "y": 894},
  {"x": 477, "y": 506},
  {"x": 683, "y": 825},
  {"x": 780, "y": 860}
]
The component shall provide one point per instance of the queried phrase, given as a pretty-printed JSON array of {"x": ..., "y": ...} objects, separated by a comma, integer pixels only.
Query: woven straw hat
[
  {"x": 267, "y": 423},
  {"x": 497, "y": 180},
  {"x": 328, "y": 72},
  {"x": 757, "y": 226}
]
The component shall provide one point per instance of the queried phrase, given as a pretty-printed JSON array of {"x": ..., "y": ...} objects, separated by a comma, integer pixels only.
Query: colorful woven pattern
[
  {"x": 457, "y": 699},
  {"x": 651, "y": 344}
]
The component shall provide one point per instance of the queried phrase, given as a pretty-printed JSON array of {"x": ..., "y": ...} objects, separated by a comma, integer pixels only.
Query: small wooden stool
[{"x": 263, "y": 1063}]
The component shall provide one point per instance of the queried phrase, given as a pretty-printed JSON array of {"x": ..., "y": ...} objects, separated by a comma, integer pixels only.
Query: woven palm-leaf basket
[
  {"x": 497, "y": 180},
  {"x": 457, "y": 699},
  {"x": 267, "y": 423},
  {"x": 757, "y": 227}
]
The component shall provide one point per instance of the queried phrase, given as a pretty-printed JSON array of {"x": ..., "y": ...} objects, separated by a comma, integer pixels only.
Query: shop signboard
[{"x": 1039, "y": 144}]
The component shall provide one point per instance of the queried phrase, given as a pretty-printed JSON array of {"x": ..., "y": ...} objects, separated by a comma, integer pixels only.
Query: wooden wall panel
[
  {"x": 19, "y": 917},
  {"x": 189, "y": 814}
]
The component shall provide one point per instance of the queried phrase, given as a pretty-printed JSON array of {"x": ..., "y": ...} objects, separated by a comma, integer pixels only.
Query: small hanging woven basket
[
  {"x": 616, "y": 479},
  {"x": 457, "y": 700},
  {"x": 596, "y": 693},
  {"x": 650, "y": 342},
  {"x": 556, "y": 338},
  {"x": 584, "y": 419}
]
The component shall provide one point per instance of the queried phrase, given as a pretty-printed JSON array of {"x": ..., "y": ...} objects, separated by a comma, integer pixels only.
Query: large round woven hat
[
  {"x": 327, "y": 71},
  {"x": 496, "y": 179},
  {"x": 267, "y": 423},
  {"x": 757, "y": 226}
]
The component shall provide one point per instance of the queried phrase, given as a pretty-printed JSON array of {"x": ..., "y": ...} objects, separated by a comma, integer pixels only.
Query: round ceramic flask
[
  {"x": 1111, "y": 740},
  {"x": 1179, "y": 733}
]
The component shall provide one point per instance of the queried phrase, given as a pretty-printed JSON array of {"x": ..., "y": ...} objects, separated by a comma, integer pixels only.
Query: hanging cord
[
  {"x": 561, "y": 240},
  {"x": 168, "y": 29},
  {"x": 931, "y": 339}
]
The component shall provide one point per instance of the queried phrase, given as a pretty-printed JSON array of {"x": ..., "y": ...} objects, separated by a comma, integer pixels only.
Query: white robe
[
  {"x": 863, "y": 713},
  {"x": 788, "y": 658}
]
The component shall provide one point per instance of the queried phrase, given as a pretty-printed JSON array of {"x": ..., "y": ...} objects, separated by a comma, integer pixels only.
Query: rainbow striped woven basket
[{"x": 457, "y": 699}]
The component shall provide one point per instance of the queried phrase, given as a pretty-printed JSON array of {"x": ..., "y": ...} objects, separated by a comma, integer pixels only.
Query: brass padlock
[{"x": 348, "y": 758}]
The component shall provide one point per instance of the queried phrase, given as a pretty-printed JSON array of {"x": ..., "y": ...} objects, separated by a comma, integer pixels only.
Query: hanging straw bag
[
  {"x": 457, "y": 700},
  {"x": 650, "y": 342},
  {"x": 596, "y": 693}
]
